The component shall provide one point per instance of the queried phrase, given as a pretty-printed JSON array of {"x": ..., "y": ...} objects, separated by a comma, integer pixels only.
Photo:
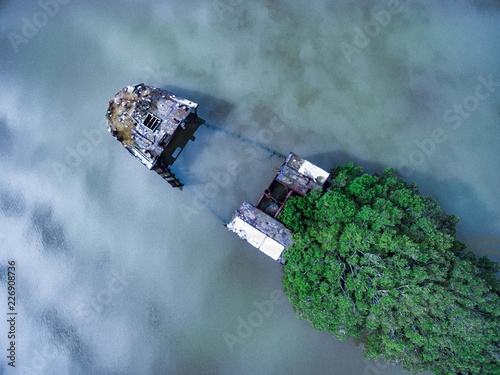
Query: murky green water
[{"x": 120, "y": 274}]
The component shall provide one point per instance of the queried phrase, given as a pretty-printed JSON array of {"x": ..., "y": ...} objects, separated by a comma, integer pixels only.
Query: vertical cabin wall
[{"x": 167, "y": 175}]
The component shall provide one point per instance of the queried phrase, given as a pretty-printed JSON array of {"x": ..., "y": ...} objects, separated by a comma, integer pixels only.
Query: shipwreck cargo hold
[
  {"x": 154, "y": 125},
  {"x": 258, "y": 225}
]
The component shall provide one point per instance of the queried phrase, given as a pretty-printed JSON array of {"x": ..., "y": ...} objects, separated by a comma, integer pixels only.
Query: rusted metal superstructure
[
  {"x": 154, "y": 125},
  {"x": 258, "y": 225}
]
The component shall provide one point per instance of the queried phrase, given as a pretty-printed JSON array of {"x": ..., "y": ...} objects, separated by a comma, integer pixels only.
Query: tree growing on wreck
[{"x": 375, "y": 260}]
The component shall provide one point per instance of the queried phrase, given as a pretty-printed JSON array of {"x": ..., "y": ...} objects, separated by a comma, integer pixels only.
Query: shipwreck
[
  {"x": 258, "y": 225},
  {"x": 154, "y": 125}
]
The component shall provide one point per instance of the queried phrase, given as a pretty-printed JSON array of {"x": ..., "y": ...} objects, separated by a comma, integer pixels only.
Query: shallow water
[{"x": 118, "y": 273}]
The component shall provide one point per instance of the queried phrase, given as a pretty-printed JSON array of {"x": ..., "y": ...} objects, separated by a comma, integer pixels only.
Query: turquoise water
[{"x": 118, "y": 273}]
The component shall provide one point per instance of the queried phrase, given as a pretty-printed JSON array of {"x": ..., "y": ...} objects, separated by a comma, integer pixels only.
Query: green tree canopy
[{"x": 376, "y": 260}]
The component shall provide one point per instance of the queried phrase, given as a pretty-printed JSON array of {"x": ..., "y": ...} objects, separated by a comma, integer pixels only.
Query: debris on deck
[
  {"x": 258, "y": 225},
  {"x": 261, "y": 230},
  {"x": 154, "y": 125},
  {"x": 296, "y": 176}
]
